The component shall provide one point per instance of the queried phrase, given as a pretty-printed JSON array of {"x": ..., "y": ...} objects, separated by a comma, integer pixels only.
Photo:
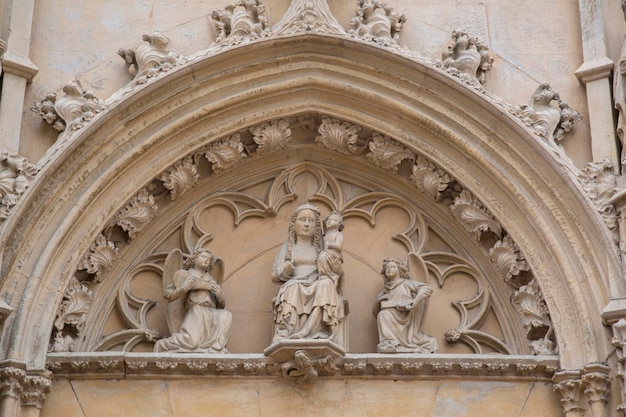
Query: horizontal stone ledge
[{"x": 96, "y": 365}]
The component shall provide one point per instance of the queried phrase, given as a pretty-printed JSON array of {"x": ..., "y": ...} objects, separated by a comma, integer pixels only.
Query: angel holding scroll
[{"x": 195, "y": 311}]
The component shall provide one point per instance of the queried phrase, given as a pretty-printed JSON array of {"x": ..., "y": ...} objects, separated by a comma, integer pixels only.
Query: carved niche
[{"x": 244, "y": 209}]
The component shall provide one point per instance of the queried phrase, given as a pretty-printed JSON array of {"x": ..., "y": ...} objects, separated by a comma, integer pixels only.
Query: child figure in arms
[{"x": 330, "y": 259}]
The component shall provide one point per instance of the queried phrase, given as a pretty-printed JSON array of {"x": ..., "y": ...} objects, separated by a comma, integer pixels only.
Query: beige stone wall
[
  {"x": 531, "y": 44},
  {"x": 276, "y": 398}
]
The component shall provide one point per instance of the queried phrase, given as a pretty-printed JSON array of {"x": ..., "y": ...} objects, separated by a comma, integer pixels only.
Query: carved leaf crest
[
  {"x": 137, "y": 214},
  {"x": 533, "y": 310},
  {"x": 509, "y": 261},
  {"x": 273, "y": 136},
  {"x": 428, "y": 178},
  {"x": 239, "y": 22},
  {"x": 226, "y": 153},
  {"x": 473, "y": 216},
  {"x": 377, "y": 22},
  {"x": 387, "y": 154},
  {"x": 75, "y": 305},
  {"x": 100, "y": 257},
  {"x": 16, "y": 174},
  {"x": 180, "y": 178},
  {"x": 339, "y": 136}
]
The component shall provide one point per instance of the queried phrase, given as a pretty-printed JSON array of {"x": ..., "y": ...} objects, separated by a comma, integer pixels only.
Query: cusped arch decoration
[{"x": 92, "y": 173}]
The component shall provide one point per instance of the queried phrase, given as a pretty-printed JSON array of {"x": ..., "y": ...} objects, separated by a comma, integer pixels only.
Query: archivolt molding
[{"x": 463, "y": 131}]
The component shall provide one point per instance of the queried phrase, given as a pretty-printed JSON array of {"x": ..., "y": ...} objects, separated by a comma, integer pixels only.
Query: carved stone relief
[
  {"x": 71, "y": 111},
  {"x": 345, "y": 139},
  {"x": 599, "y": 182},
  {"x": 548, "y": 121},
  {"x": 240, "y": 22},
  {"x": 308, "y": 16},
  {"x": 148, "y": 60},
  {"x": 196, "y": 315},
  {"x": 16, "y": 174},
  {"x": 467, "y": 58},
  {"x": 180, "y": 178},
  {"x": 377, "y": 22},
  {"x": 400, "y": 308}
]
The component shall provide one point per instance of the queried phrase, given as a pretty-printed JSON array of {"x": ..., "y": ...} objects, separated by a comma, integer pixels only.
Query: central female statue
[{"x": 308, "y": 305}]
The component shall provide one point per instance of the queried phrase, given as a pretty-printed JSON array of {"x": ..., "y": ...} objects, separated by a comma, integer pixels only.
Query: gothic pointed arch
[{"x": 109, "y": 166}]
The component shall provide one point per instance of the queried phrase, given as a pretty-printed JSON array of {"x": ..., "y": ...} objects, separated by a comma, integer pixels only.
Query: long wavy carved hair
[
  {"x": 403, "y": 267},
  {"x": 318, "y": 243}
]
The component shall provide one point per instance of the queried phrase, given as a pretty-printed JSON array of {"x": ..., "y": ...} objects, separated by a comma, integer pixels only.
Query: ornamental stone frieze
[{"x": 244, "y": 22}]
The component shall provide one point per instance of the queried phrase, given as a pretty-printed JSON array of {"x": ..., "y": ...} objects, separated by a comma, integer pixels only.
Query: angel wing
[
  {"x": 175, "y": 308},
  {"x": 418, "y": 271},
  {"x": 217, "y": 270}
]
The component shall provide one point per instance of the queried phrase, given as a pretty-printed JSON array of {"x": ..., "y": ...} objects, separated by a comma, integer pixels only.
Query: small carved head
[
  {"x": 402, "y": 266},
  {"x": 337, "y": 217},
  {"x": 196, "y": 257}
]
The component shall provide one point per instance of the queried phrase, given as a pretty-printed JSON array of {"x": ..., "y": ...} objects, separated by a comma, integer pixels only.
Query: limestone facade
[{"x": 478, "y": 141}]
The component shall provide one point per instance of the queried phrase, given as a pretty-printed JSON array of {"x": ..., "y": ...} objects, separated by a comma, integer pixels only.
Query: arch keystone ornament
[{"x": 196, "y": 151}]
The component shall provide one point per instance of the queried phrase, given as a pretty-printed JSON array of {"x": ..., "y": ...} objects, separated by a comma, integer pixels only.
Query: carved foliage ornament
[
  {"x": 148, "y": 60},
  {"x": 342, "y": 137},
  {"x": 226, "y": 153},
  {"x": 548, "y": 121},
  {"x": 180, "y": 178},
  {"x": 377, "y": 22},
  {"x": 16, "y": 174},
  {"x": 137, "y": 213},
  {"x": 599, "y": 182},
  {"x": 273, "y": 136},
  {"x": 473, "y": 216},
  {"x": 429, "y": 179},
  {"x": 240, "y": 22},
  {"x": 467, "y": 58},
  {"x": 71, "y": 111},
  {"x": 71, "y": 316}
]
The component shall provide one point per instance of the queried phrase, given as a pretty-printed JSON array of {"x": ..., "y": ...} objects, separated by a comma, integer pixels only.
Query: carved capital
[
  {"x": 597, "y": 387},
  {"x": 570, "y": 389},
  {"x": 35, "y": 389},
  {"x": 12, "y": 381}
]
